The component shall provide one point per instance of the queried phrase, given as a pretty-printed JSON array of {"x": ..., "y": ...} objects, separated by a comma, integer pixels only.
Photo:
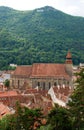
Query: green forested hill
[{"x": 40, "y": 35}]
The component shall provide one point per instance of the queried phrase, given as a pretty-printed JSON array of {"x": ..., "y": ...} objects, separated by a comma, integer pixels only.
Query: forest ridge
[{"x": 40, "y": 35}]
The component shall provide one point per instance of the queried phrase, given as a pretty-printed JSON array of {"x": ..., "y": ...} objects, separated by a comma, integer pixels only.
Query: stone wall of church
[
  {"x": 46, "y": 83},
  {"x": 19, "y": 82}
]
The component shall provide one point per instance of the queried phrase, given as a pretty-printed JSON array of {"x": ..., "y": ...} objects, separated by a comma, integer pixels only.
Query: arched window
[
  {"x": 13, "y": 83},
  {"x": 43, "y": 85},
  {"x": 18, "y": 83},
  {"x": 38, "y": 84},
  {"x": 49, "y": 85},
  {"x": 55, "y": 84}
]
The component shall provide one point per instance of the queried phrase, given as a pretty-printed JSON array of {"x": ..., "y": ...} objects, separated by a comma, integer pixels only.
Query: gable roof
[
  {"x": 48, "y": 70},
  {"x": 4, "y": 110},
  {"x": 40, "y": 70},
  {"x": 23, "y": 70}
]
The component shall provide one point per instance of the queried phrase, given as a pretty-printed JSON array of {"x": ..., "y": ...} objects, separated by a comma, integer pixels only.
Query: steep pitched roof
[
  {"x": 4, "y": 110},
  {"x": 23, "y": 70},
  {"x": 49, "y": 70},
  {"x": 69, "y": 56},
  {"x": 8, "y": 93},
  {"x": 42, "y": 70}
]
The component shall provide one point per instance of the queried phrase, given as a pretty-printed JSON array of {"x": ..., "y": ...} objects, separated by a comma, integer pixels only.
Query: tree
[
  {"x": 23, "y": 118},
  {"x": 26, "y": 118},
  {"x": 7, "y": 83},
  {"x": 59, "y": 119},
  {"x": 76, "y": 102},
  {"x": 46, "y": 127},
  {"x": 7, "y": 122}
]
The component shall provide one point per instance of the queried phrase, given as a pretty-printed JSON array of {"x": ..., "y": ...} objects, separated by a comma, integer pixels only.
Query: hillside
[{"x": 40, "y": 35}]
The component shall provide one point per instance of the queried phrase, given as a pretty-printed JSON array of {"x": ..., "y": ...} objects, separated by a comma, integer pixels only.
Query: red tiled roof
[
  {"x": 8, "y": 93},
  {"x": 62, "y": 93},
  {"x": 35, "y": 91},
  {"x": 36, "y": 101},
  {"x": 42, "y": 70},
  {"x": 29, "y": 91},
  {"x": 23, "y": 70},
  {"x": 3, "y": 110},
  {"x": 48, "y": 70},
  {"x": 63, "y": 90}
]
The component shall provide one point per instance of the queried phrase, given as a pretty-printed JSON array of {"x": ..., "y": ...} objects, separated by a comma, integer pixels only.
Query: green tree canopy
[
  {"x": 28, "y": 37},
  {"x": 7, "y": 83},
  {"x": 59, "y": 118},
  {"x": 76, "y": 103},
  {"x": 22, "y": 119}
]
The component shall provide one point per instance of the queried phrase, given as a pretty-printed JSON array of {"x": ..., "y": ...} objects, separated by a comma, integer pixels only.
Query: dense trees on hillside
[{"x": 34, "y": 36}]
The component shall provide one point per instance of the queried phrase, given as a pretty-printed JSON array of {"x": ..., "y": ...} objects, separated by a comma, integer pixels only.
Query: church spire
[
  {"x": 68, "y": 63},
  {"x": 68, "y": 58}
]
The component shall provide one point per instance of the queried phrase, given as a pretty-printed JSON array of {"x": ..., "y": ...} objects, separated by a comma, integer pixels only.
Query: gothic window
[
  {"x": 68, "y": 82},
  {"x": 18, "y": 83},
  {"x": 38, "y": 84},
  {"x": 55, "y": 84},
  {"x": 49, "y": 85},
  {"x": 43, "y": 85},
  {"x": 59, "y": 82}
]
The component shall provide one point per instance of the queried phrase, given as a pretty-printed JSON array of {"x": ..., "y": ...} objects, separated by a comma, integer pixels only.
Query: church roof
[
  {"x": 23, "y": 70},
  {"x": 48, "y": 70},
  {"x": 42, "y": 70}
]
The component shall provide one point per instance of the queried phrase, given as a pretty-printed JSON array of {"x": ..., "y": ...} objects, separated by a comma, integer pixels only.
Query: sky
[{"x": 73, "y": 7}]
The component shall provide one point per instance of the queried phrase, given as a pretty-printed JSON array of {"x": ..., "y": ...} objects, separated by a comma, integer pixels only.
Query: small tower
[{"x": 68, "y": 64}]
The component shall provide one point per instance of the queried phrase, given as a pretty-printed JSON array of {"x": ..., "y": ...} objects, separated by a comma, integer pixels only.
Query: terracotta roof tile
[
  {"x": 34, "y": 91},
  {"x": 48, "y": 70},
  {"x": 23, "y": 70},
  {"x": 42, "y": 70},
  {"x": 3, "y": 110},
  {"x": 8, "y": 93},
  {"x": 63, "y": 90},
  {"x": 29, "y": 91}
]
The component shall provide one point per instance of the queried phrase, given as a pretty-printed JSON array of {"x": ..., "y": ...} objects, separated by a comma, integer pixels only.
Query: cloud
[
  {"x": 73, "y": 7},
  {"x": 82, "y": 1}
]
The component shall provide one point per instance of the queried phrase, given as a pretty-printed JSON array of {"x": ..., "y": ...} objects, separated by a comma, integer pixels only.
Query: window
[
  {"x": 38, "y": 84},
  {"x": 18, "y": 83},
  {"x": 49, "y": 85},
  {"x": 43, "y": 85},
  {"x": 55, "y": 84}
]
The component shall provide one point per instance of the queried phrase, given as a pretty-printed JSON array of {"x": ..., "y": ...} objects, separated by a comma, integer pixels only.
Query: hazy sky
[{"x": 73, "y": 7}]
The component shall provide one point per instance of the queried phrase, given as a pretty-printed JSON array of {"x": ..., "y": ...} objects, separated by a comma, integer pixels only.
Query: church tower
[{"x": 69, "y": 64}]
